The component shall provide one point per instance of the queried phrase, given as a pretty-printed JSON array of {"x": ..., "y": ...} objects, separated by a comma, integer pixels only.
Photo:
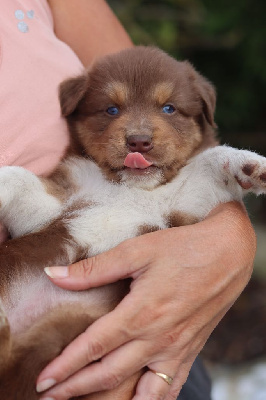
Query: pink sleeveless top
[{"x": 32, "y": 64}]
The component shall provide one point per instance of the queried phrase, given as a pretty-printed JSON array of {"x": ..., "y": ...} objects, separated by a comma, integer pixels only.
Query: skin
[
  {"x": 184, "y": 279},
  {"x": 89, "y": 27}
]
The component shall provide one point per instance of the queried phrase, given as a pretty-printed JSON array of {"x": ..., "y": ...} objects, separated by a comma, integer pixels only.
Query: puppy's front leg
[
  {"x": 25, "y": 204},
  {"x": 237, "y": 171},
  {"x": 247, "y": 170},
  {"x": 215, "y": 176}
]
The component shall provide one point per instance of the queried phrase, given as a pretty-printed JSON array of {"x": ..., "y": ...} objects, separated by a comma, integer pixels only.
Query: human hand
[{"x": 184, "y": 281}]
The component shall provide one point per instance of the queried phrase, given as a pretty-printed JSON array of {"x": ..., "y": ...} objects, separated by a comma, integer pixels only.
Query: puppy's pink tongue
[{"x": 136, "y": 160}]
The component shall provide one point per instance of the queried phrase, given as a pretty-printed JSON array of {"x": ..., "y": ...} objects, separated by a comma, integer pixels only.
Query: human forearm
[
  {"x": 238, "y": 236},
  {"x": 89, "y": 27}
]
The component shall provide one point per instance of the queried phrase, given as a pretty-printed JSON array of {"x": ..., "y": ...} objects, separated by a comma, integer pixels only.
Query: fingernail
[
  {"x": 57, "y": 272},
  {"x": 44, "y": 385}
]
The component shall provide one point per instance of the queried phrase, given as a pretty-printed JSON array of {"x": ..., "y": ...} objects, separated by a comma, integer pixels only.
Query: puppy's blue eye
[
  {"x": 112, "y": 110},
  {"x": 168, "y": 109}
]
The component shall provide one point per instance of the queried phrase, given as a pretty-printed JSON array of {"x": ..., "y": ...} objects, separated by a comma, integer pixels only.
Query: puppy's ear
[
  {"x": 71, "y": 92},
  {"x": 208, "y": 95}
]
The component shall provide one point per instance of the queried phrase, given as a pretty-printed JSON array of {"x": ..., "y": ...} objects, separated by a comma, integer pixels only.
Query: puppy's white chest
[{"x": 117, "y": 214}]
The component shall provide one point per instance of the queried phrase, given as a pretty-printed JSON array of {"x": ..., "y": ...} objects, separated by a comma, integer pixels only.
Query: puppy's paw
[
  {"x": 249, "y": 170},
  {"x": 10, "y": 182}
]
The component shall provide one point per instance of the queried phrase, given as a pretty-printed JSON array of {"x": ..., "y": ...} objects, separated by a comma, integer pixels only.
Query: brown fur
[
  {"x": 162, "y": 92},
  {"x": 31, "y": 251},
  {"x": 143, "y": 229},
  {"x": 178, "y": 219},
  {"x": 4, "y": 336},
  {"x": 140, "y": 82},
  {"x": 182, "y": 135},
  {"x": 32, "y": 353},
  {"x": 118, "y": 92},
  {"x": 60, "y": 183}
]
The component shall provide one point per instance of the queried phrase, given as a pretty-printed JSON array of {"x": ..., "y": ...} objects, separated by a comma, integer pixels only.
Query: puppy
[{"x": 143, "y": 157}]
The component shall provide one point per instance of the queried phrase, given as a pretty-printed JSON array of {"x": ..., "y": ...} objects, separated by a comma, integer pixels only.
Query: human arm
[
  {"x": 184, "y": 281},
  {"x": 89, "y": 27}
]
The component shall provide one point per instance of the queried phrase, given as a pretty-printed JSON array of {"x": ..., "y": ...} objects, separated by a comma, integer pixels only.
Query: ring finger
[{"x": 157, "y": 381}]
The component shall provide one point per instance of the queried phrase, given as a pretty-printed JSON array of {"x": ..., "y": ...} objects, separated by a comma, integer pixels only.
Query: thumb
[{"x": 118, "y": 263}]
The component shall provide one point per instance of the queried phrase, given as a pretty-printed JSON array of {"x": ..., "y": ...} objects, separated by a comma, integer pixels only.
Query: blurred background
[{"x": 226, "y": 41}]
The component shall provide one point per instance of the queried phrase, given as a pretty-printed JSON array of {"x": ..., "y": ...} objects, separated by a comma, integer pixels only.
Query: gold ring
[{"x": 165, "y": 377}]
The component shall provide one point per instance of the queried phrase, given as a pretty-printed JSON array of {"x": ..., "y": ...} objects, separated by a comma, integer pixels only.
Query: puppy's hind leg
[
  {"x": 22, "y": 360},
  {"x": 25, "y": 204},
  {"x": 34, "y": 349}
]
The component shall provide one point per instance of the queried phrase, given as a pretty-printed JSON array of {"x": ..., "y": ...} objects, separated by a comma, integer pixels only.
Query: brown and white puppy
[{"x": 140, "y": 124}]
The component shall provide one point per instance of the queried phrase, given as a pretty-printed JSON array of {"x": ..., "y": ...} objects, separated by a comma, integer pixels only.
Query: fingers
[
  {"x": 151, "y": 387},
  {"x": 106, "y": 374},
  {"x": 90, "y": 346},
  {"x": 156, "y": 387},
  {"x": 132, "y": 319},
  {"x": 114, "y": 369},
  {"x": 179, "y": 381},
  {"x": 121, "y": 262}
]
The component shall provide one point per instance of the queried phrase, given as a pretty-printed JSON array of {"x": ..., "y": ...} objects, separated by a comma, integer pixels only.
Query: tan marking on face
[
  {"x": 162, "y": 92},
  {"x": 118, "y": 92},
  {"x": 174, "y": 143},
  {"x": 108, "y": 149}
]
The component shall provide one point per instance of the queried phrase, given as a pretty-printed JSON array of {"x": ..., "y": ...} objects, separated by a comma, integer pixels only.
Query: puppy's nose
[{"x": 139, "y": 143}]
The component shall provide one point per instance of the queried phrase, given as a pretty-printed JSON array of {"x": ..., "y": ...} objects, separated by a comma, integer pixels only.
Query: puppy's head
[{"x": 140, "y": 115}]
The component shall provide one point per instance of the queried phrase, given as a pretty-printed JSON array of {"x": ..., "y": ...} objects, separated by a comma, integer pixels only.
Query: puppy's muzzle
[{"x": 139, "y": 143}]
